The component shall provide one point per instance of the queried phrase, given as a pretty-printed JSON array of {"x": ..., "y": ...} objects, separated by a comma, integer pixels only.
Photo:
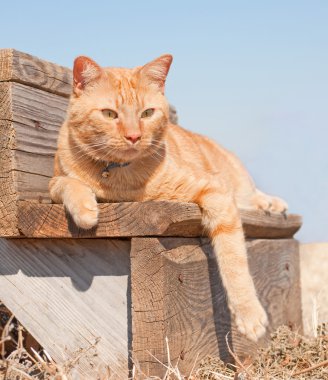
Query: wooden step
[{"x": 110, "y": 296}]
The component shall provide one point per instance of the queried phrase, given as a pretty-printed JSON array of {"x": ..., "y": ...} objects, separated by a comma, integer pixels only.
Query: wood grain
[
  {"x": 32, "y": 119},
  {"x": 24, "y": 68},
  {"x": 68, "y": 294},
  {"x": 128, "y": 219},
  {"x": 8, "y": 195},
  {"x": 36, "y": 116},
  {"x": 177, "y": 293}
]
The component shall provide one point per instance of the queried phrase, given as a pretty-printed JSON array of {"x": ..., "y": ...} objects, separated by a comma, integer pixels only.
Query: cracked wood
[
  {"x": 193, "y": 313},
  {"x": 16, "y": 66},
  {"x": 29, "y": 120},
  {"x": 153, "y": 218}
]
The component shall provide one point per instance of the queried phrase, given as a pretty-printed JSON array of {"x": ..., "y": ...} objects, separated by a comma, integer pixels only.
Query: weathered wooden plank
[
  {"x": 24, "y": 68},
  {"x": 70, "y": 293},
  {"x": 29, "y": 121},
  {"x": 130, "y": 219},
  {"x": 36, "y": 116},
  {"x": 176, "y": 293},
  {"x": 8, "y": 206}
]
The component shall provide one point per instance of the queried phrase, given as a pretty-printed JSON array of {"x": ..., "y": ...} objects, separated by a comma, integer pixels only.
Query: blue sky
[{"x": 253, "y": 75}]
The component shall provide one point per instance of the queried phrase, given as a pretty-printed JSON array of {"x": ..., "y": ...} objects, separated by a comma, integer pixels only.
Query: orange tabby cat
[{"x": 117, "y": 145}]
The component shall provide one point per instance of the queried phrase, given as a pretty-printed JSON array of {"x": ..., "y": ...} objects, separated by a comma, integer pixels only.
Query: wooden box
[{"x": 144, "y": 274}]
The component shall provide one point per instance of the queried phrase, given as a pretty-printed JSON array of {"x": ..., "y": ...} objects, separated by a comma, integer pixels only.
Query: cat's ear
[
  {"x": 155, "y": 72},
  {"x": 85, "y": 71}
]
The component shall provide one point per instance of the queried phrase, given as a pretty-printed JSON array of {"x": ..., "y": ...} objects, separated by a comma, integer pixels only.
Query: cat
[{"x": 117, "y": 144}]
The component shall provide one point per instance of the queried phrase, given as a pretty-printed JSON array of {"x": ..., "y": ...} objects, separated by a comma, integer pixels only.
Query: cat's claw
[
  {"x": 269, "y": 204},
  {"x": 251, "y": 320},
  {"x": 267, "y": 212},
  {"x": 279, "y": 205}
]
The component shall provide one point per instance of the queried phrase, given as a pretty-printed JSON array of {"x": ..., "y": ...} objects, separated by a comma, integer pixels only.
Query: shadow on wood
[
  {"x": 177, "y": 293},
  {"x": 69, "y": 293}
]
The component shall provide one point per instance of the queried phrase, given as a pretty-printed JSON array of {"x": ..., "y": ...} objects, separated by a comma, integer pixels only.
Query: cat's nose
[{"x": 133, "y": 138}]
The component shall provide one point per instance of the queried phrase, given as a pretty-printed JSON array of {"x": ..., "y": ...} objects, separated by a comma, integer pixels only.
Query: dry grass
[{"x": 289, "y": 356}]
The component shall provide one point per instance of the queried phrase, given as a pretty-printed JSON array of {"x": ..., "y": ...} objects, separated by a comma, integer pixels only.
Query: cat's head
[{"x": 118, "y": 114}]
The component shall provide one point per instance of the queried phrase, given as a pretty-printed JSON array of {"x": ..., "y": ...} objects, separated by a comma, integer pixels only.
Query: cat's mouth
[
  {"x": 128, "y": 153},
  {"x": 131, "y": 149},
  {"x": 123, "y": 153}
]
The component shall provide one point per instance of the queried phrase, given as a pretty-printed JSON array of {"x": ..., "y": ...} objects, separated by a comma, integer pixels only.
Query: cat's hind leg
[
  {"x": 222, "y": 220},
  {"x": 268, "y": 203}
]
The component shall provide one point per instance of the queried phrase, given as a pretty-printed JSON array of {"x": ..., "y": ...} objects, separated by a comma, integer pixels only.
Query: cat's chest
[
  {"x": 117, "y": 194},
  {"x": 121, "y": 187},
  {"x": 129, "y": 184}
]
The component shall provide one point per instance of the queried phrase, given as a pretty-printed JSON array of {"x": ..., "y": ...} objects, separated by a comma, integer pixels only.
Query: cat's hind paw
[
  {"x": 269, "y": 204},
  {"x": 251, "y": 320}
]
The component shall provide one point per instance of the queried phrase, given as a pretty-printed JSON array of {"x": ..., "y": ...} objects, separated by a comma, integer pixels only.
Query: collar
[{"x": 113, "y": 165}]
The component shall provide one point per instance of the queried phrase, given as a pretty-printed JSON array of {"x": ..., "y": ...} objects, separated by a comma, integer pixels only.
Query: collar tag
[{"x": 113, "y": 165}]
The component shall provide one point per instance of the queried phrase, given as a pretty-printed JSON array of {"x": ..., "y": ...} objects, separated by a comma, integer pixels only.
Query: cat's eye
[
  {"x": 147, "y": 113},
  {"x": 110, "y": 114}
]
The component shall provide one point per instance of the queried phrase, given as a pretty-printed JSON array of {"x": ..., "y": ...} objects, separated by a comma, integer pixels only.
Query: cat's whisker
[
  {"x": 95, "y": 152},
  {"x": 84, "y": 148},
  {"x": 159, "y": 154},
  {"x": 76, "y": 149},
  {"x": 158, "y": 159}
]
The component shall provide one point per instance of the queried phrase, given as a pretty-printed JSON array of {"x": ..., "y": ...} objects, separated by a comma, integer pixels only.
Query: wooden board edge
[
  {"x": 8, "y": 195},
  {"x": 6, "y": 64},
  {"x": 16, "y": 66},
  {"x": 51, "y": 221}
]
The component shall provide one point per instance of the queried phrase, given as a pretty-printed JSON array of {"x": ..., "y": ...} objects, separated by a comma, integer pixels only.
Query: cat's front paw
[
  {"x": 83, "y": 208},
  {"x": 251, "y": 320}
]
